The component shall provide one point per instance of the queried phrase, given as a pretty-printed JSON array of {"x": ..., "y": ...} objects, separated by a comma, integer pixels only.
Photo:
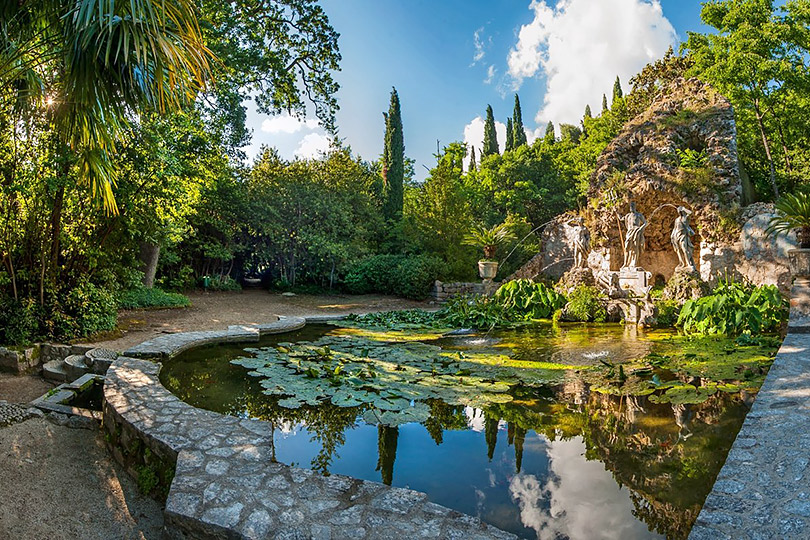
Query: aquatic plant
[{"x": 585, "y": 304}]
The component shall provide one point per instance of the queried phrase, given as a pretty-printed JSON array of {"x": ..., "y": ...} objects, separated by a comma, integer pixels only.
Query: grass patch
[{"x": 151, "y": 298}]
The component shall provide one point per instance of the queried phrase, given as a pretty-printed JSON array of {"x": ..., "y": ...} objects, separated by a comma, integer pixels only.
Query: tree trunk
[
  {"x": 150, "y": 253},
  {"x": 767, "y": 148}
]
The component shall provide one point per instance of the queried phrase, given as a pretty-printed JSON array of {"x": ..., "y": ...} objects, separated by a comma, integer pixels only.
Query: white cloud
[
  {"x": 474, "y": 136},
  {"x": 580, "y": 499},
  {"x": 312, "y": 146},
  {"x": 287, "y": 124},
  {"x": 480, "y": 46},
  {"x": 581, "y": 45},
  {"x": 490, "y": 74}
]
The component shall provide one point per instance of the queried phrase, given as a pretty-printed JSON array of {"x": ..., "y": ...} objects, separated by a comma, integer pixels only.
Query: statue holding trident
[
  {"x": 681, "y": 238},
  {"x": 580, "y": 242},
  {"x": 635, "y": 223}
]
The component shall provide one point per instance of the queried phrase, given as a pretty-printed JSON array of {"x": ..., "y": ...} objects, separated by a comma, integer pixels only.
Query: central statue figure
[{"x": 635, "y": 223}]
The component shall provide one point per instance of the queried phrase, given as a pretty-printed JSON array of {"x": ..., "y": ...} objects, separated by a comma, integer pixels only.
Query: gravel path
[
  {"x": 218, "y": 310},
  {"x": 60, "y": 482}
]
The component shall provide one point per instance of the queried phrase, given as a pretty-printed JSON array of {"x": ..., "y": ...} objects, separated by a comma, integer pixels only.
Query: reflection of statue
[
  {"x": 581, "y": 243},
  {"x": 682, "y": 240},
  {"x": 635, "y": 223}
]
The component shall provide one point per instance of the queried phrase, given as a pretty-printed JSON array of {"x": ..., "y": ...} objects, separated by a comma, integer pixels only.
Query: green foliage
[
  {"x": 668, "y": 312},
  {"x": 85, "y": 309},
  {"x": 518, "y": 131},
  {"x": 527, "y": 300},
  {"x": 792, "y": 213},
  {"x": 585, "y": 304},
  {"x": 515, "y": 303},
  {"x": 510, "y": 136},
  {"x": 393, "y": 161},
  {"x": 489, "y": 238},
  {"x": 223, "y": 283},
  {"x": 692, "y": 159},
  {"x": 409, "y": 276},
  {"x": 734, "y": 308},
  {"x": 19, "y": 321},
  {"x": 490, "y": 135},
  {"x": 406, "y": 319},
  {"x": 142, "y": 297}
]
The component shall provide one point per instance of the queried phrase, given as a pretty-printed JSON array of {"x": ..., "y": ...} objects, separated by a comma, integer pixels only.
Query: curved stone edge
[
  {"x": 226, "y": 484},
  {"x": 763, "y": 489},
  {"x": 173, "y": 344}
]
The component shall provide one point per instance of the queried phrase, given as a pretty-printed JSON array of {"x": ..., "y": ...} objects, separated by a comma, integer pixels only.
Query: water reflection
[{"x": 556, "y": 462}]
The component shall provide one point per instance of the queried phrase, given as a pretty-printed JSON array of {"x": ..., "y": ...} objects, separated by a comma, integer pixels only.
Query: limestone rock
[
  {"x": 574, "y": 278},
  {"x": 685, "y": 285}
]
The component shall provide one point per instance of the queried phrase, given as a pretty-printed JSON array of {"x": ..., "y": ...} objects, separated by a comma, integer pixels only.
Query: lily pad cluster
[{"x": 393, "y": 381}]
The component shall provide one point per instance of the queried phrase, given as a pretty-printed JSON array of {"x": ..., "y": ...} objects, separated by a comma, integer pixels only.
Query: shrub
[
  {"x": 478, "y": 312},
  {"x": 409, "y": 276},
  {"x": 84, "y": 310},
  {"x": 734, "y": 308},
  {"x": 585, "y": 304},
  {"x": 223, "y": 283},
  {"x": 668, "y": 311},
  {"x": 525, "y": 299},
  {"x": 141, "y": 297},
  {"x": 19, "y": 321}
]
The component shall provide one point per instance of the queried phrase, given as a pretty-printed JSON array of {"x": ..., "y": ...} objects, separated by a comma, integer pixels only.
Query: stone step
[
  {"x": 100, "y": 359},
  {"x": 55, "y": 371},
  {"x": 76, "y": 365}
]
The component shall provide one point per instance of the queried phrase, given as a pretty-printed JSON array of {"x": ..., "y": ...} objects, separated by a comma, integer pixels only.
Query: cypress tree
[
  {"x": 490, "y": 136},
  {"x": 510, "y": 137},
  {"x": 473, "y": 166},
  {"x": 588, "y": 111},
  {"x": 393, "y": 160},
  {"x": 549, "y": 138},
  {"x": 518, "y": 133},
  {"x": 604, "y": 103},
  {"x": 617, "y": 91}
]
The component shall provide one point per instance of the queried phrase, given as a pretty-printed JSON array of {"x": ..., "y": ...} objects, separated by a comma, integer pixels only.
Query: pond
[{"x": 553, "y": 432}]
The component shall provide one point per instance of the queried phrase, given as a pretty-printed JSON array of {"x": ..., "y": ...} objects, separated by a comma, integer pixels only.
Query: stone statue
[
  {"x": 635, "y": 223},
  {"x": 681, "y": 237},
  {"x": 581, "y": 242}
]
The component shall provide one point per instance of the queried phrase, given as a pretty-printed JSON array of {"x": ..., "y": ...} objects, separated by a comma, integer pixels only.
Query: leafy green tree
[
  {"x": 617, "y": 90},
  {"x": 758, "y": 59},
  {"x": 570, "y": 133},
  {"x": 519, "y": 135},
  {"x": 549, "y": 137},
  {"x": 510, "y": 141},
  {"x": 654, "y": 79},
  {"x": 393, "y": 171},
  {"x": 490, "y": 136}
]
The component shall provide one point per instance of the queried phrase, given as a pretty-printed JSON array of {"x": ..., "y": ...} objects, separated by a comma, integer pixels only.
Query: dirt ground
[
  {"x": 218, "y": 310},
  {"x": 59, "y": 482}
]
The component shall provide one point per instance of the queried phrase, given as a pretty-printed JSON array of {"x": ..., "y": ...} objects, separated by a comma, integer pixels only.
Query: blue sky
[{"x": 448, "y": 59}]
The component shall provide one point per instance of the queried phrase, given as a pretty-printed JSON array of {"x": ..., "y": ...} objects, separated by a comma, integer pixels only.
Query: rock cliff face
[{"x": 681, "y": 151}]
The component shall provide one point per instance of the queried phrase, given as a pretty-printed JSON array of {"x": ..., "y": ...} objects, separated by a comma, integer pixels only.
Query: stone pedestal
[{"x": 635, "y": 281}]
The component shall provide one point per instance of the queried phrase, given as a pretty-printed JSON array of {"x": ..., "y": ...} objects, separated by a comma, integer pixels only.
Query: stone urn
[
  {"x": 487, "y": 269},
  {"x": 252, "y": 281},
  {"x": 799, "y": 263}
]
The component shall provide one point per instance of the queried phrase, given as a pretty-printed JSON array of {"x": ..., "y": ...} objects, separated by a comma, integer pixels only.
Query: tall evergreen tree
[
  {"x": 393, "y": 160},
  {"x": 490, "y": 136},
  {"x": 617, "y": 91},
  {"x": 472, "y": 166},
  {"x": 518, "y": 133},
  {"x": 549, "y": 138},
  {"x": 510, "y": 137},
  {"x": 604, "y": 103},
  {"x": 585, "y": 117},
  {"x": 588, "y": 111}
]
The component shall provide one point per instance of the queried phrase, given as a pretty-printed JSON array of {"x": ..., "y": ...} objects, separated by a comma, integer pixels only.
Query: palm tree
[
  {"x": 95, "y": 65},
  {"x": 792, "y": 213}
]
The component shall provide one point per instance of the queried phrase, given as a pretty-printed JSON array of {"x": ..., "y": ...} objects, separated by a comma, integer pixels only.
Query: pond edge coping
[{"x": 225, "y": 484}]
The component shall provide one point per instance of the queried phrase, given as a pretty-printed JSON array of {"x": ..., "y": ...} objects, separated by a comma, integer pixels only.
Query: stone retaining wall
[
  {"x": 443, "y": 292},
  {"x": 225, "y": 483}
]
